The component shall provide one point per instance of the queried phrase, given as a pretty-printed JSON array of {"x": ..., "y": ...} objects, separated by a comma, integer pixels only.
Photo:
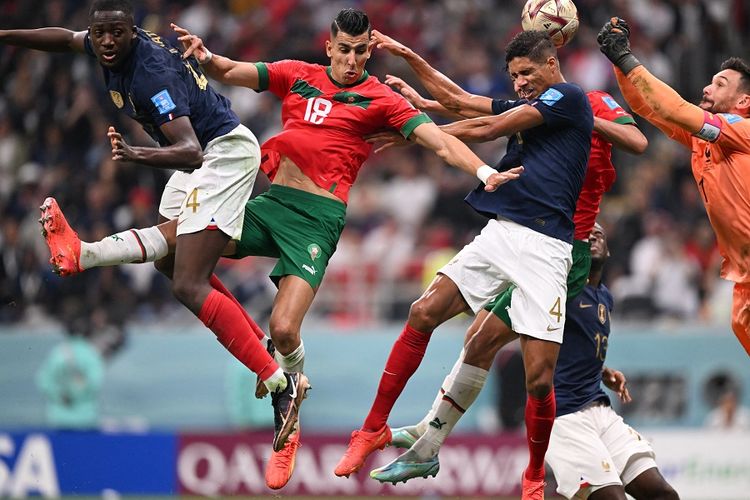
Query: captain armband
[{"x": 711, "y": 129}]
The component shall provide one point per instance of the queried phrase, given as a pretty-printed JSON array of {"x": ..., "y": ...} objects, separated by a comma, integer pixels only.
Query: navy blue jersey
[
  {"x": 154, "y": 85},
  {"x": 554, "y": 156},
  {"x": 578, "y": 375}
]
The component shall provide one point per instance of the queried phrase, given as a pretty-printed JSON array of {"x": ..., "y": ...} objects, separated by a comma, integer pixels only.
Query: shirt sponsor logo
[
  {"x": 550, "y": 96},
  {"x": 163, "y": 102}
]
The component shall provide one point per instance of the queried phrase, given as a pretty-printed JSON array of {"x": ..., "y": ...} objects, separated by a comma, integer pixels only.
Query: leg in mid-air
[
  {"x": 292, "y": 302},
  {"x": 441, "y": 301},
  {"x": 484, "y": 338}
]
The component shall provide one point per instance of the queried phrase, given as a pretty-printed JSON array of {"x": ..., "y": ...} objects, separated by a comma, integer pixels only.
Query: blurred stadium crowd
[{"x": 406, "y": 213}]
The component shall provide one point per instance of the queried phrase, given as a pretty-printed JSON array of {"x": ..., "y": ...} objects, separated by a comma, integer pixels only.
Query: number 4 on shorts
[{"x": 192, "y": 200}]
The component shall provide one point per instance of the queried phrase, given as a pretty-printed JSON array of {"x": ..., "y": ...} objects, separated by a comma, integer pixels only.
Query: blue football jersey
[
  {"x": 154, "y": 85},
  {"x": 554, "y": 156},
  {"x": 578, "y": 374}
]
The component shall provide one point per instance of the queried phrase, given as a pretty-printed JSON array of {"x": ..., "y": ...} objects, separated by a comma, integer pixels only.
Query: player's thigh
[
  {"x": 539, "y": 272},
  {"x": 577, "y": 279},
  {"x": 482, "y": 269},
  {"x": 306, "y": 229},
  {"x": 577, "y": 456},
  {"x": 631, "y": 452},
  {"x": 217, "y": 192},
  {"x": 649, "y": 484}
]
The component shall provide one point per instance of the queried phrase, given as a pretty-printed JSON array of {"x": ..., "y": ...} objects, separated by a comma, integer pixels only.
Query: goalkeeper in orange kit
[{"x": 718, "y": 133}]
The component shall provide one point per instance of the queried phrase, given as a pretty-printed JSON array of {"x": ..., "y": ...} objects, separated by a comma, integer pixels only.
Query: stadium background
[{"x": 168, "y": 388}]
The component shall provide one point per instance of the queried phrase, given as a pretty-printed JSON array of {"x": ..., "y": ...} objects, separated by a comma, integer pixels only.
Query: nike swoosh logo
[
  {"x": 551, "y": 329},
  {"x": 294, "y": 390},
  {"x": 584, "y": 306}
]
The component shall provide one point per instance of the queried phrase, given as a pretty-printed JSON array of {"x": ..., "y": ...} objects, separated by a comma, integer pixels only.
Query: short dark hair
[
  {"x": 123, "y": 6},
  {"x": 352, "y": 22},
  {"x": 740, "y": 66},
  {"x": 536, "y": 45}
]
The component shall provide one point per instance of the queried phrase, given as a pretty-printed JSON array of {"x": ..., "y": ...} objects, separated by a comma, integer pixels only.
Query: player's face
[
  {"x": 112, "y": 34},
  {"x": 723, "y": 93},
  {"x": 348, "y": 54},
  {"x": 598, "y": 241},
  {"x": 531, "y": 78}
]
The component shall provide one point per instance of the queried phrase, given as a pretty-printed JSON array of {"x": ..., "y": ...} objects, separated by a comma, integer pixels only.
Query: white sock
[
  {"x": 276, "y": 381},
  {"x": 294, "y": 361},
  {"x": 422, "y": 426},
  {"x": 463, "y": 392},
  {"x": 133, "y": 245}
]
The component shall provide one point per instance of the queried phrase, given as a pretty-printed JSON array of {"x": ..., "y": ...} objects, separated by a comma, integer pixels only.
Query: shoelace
[{"x": 285, "y": 455}]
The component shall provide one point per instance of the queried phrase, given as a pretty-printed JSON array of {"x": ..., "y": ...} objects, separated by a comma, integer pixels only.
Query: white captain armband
[
  {"x": 484, "y": 172},
  {"x": 711, "y": 129}
]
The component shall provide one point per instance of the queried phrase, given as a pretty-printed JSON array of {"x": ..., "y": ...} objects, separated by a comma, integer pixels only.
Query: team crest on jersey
[
  {"x": 602, "y": 313},
  {"x": 117, "y": 98},
  {"x": 605, "y": 466},
  {"x": 314, "y": 251}
]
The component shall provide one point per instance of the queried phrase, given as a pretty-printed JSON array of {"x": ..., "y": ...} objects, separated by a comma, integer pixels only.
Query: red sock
[
  {"x": 225, "y": 319},
  {"x": 219, "y": 286},
  {"x": 540, "y": 415},
  {"x": 406, "y": 354}
]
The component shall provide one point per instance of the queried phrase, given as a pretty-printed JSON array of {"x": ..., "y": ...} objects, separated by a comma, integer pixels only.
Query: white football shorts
[
  {"x": 593, "y": 448},
  {"x": 506, "y": 253},
  {"x": 214, "y": 196}
]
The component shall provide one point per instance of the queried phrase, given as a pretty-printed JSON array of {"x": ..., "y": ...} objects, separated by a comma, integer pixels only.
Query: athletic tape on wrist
[{"x": 484, "y": 172}]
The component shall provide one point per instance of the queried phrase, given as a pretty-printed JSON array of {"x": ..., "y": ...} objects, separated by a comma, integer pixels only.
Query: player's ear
[
  {"x": 743, "y": 104},
  {"x": 135, "y": 32},
  {"x": 329, "y": 48}
]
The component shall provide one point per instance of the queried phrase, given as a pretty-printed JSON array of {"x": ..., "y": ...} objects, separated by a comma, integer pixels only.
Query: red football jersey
[
  {"x": 324, "y": 122},
  {"x": 600, "y": 174}
]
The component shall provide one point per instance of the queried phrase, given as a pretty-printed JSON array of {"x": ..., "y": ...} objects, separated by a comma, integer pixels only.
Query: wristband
[
  {"x": 627, "y": 63},
  {"x": 207, "y": 59},
  {"x": 484, "y": 172}
]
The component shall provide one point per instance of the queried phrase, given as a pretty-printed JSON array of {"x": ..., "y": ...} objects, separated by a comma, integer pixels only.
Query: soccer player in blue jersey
[
  {"x": 216, "y": 159},
  {"x": 526, "y": 243},
  {"x": 592, "y": 452}
]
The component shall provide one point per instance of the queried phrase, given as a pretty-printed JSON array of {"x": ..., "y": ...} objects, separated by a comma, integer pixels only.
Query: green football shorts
[
  {"x": 577, "y": 278},
  {"x": 300, "y": 229}
]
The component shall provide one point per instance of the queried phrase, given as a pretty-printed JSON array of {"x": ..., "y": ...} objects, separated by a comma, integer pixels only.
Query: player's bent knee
[
  {"x": 285, "y": 335},
  {"x": 422, "y": 315}
]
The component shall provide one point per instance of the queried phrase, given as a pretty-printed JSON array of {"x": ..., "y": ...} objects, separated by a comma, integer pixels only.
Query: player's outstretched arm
[
  {"x": 623, "y": 136},
  {"x": 427, "y": 105},
  {"x": 488, "y": 128},
  {"x": 183, "y": 153},
  {"x": 46, "y": 39},
  {"x": 664, "y": 102},
  {"x": 458, "y": 154},
  {"x": 220, "y": 68},
  {"x": 442, "y": 88}
]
